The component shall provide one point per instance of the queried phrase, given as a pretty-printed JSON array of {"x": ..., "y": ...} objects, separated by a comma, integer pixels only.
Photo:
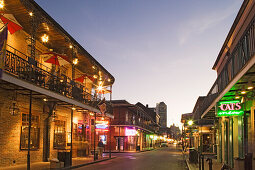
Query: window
[
  {"x": 59, "y": 135},
  {"x": 35, "y": 131},
  {"x": 127, "y": 116}
]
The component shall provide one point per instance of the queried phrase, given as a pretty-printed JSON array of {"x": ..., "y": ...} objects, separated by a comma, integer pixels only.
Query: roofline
[
  {"x": 237, "y": 19},
  {"x": 68, "y": 35}
]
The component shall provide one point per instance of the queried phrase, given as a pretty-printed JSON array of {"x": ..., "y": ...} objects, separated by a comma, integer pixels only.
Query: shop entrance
[{"x": 120, "y": 143}]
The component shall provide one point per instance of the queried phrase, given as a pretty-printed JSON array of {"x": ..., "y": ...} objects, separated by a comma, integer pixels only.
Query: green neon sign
[{"x": 230, "y": 108}]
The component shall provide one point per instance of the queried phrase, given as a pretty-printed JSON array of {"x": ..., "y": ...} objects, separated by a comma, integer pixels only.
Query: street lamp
[
  {"x": 190, "y": 122},
  {"x": 75, "y": 60}
]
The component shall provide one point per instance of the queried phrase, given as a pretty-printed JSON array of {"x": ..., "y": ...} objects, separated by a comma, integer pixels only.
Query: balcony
[
  {"x": 236, "y": 61},
  {"x": 27, "y": 69},
  {"x": 130, "y": 123}
]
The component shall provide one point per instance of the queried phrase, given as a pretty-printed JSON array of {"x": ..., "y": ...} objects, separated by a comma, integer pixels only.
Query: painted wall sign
[{"x": 230, "y": 108}]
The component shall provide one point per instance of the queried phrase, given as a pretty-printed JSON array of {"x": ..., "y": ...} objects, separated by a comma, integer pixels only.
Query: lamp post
[
  {"x": 75, "y": 61},
  {"x": 190, "y": 123},
  {"x": 95, "y": 136}
]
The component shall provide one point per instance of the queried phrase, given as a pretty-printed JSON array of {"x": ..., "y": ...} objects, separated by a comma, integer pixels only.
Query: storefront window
[
  {"x": 34, "y": 137},
  {"x": 59, "y": 135},
  {"x": 79, "y": 132}
]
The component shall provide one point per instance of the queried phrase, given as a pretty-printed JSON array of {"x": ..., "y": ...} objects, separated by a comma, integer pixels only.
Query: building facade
[
  {"x": 50, "y": 102},
  {"x": 133, "y": 127},
  {"x": 161, "y": 110},
  {"x": 230, "y": 101}
]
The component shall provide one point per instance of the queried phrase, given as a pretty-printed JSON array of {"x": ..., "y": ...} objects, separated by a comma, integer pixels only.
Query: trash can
[
  {"x": 64, "y": 157},
  {"x": 239, "y": 163},
  {"x": 248, "y": 161},
  {"x": 95, "y": 154},
  {"x": 193, "y": 155}
]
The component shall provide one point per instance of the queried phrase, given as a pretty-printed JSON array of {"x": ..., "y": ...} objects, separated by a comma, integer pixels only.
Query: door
[
  {"x": 120, "y": 143},
  {"x": 226, "y": 141},
  {"x": 231, "y": 152}
]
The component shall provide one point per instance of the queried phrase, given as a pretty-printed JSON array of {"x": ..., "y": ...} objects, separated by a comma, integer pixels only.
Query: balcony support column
[
  {"x": 110, "y": 142},
  {"x": 95, "y": 136},
  {"x": 29, "y": 130},
  {"x": 71, "y": 145}
]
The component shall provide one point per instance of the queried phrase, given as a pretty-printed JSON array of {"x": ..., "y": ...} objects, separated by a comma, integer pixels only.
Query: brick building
[
  {"x": 133, "y": 127},
  {"x": 50, "y": 86}
]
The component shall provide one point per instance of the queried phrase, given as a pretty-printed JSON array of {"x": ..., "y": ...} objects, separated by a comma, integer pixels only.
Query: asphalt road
[{"x": 168, "y": 158}]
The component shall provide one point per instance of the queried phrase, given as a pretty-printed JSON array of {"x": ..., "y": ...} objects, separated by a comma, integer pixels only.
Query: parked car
[{"x": 163, "y": 145}]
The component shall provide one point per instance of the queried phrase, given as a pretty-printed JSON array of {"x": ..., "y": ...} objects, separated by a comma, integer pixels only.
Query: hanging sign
[{"x": 230, "y": 108}]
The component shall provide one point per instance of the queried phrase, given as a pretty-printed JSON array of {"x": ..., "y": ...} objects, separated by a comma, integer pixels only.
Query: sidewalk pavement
[
  {"x": 77, "y": 162},
  {"x": 215, "y": 165}
]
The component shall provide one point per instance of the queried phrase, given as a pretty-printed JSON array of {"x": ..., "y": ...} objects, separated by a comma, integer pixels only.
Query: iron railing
[
  {"x": 130, "y": 123},
  {"x": 241, "y": 54},
  {"x": 28, "y": 69}
]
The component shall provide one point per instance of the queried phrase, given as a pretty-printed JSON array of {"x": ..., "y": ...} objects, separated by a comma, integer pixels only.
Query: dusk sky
[{"x": 157, "y": 50}]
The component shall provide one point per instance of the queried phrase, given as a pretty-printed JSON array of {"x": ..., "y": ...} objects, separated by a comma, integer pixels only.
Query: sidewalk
[
  {"x": 215, "y": 165},
  {"x": 77, "y": 162}
]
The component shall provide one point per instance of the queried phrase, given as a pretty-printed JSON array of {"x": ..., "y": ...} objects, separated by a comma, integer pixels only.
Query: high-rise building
[{"x": 161, "y": 110}]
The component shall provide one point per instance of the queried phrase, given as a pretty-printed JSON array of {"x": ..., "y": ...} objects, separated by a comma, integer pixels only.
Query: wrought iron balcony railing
[
  {"x": 130, "y": 123},
  {"x": 236, "y": 61},
  {"x": 27, "y": 69}
]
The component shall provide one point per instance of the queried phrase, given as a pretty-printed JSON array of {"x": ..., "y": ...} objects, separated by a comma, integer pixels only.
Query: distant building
[
  {"x": 133, "y": 127},
  {"x": 161, "y": 110},
  {"x": 175, "y": 132}
]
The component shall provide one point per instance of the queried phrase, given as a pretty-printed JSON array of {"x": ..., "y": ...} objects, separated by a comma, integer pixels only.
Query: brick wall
[{"x": 10, "y": 129}]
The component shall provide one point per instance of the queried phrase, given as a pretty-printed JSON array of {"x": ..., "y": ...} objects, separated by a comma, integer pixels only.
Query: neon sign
[
  {"x": 229, "y": 108},
  {"x": 130, "y": 132},
  {"x": 102, "y": 124}
]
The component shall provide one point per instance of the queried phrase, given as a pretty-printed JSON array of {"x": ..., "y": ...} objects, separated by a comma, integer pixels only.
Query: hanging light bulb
[
  {"x": 1, "y": 4},
  {"x": 243, "y": 90},
  {"x": 45, "y": 38},
  {"x": 75, "y": 60},
  {"x": 237, "y": 96},
  {"x": 250, "y": 85}
]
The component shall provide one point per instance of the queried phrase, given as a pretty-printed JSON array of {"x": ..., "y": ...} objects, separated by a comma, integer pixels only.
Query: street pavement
[{"x": 167, "y": 158}]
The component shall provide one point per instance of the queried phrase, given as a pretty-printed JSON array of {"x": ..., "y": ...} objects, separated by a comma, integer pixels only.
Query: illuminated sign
[
  {"x": 130, "y": 132},
  {"x": 104, "y": 139},
  {"x": 102, "y": 124},
  {"x": 229, "y": 108}
]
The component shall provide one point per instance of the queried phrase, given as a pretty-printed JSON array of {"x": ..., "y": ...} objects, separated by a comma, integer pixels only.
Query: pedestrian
[{"x": 100, "y": 148}]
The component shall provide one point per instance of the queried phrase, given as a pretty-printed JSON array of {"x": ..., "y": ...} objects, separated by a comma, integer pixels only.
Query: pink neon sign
[
  {"x": 130, "y": 132},
  {"x": 231, "y": 106}
]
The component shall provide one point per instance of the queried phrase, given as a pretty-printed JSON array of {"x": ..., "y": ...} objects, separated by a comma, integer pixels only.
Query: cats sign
[{"x": 230, "y": 108}]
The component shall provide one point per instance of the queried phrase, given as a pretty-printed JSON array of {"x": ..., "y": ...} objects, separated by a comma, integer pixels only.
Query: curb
[
  {"x": 186, "y": 160},
  {"x": 89, "y": 163}
]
